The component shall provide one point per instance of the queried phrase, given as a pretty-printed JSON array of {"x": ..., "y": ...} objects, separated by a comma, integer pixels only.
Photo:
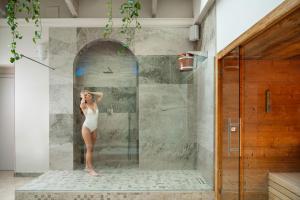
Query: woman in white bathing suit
[{"x": 89, "y": 107}]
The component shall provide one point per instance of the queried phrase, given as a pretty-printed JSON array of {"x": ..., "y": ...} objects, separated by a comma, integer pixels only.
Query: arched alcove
[{"x": 109, "y": 67}]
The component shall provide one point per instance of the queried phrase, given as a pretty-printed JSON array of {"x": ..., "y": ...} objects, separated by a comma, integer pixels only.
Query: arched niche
[{"x": 108, "y": 66}]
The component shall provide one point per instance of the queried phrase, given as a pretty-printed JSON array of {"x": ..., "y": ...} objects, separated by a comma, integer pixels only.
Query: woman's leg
[
  {"x": 94, "y": 138},
  {"x": 89, "y": 147}
]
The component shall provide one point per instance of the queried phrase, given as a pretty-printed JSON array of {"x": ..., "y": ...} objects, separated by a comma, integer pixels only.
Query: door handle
[{"x": 232, "y": 127}]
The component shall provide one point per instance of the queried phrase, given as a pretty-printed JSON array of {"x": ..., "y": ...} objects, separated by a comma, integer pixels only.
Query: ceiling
[
  {"x": 281, "y": 41},
  {"x": 98, "y": 8}
]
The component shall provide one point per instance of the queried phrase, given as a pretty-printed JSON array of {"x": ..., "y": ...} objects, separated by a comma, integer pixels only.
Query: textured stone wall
[
  {"x": 165, "y": 142},
  {"x": 204, "y": 89},
  {"x": 162, "y": 126},
  {"x": 63, "y": 49}
]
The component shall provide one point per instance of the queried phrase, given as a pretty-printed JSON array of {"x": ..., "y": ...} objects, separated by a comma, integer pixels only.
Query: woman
[{"x": 89, "y": 107}]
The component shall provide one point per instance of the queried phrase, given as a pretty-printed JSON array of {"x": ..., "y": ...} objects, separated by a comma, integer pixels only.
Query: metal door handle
[{"x": 232, "y": 127}]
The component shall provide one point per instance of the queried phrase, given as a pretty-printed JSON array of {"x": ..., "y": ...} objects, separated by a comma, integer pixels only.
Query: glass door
[{"x": 230, "y": 126}]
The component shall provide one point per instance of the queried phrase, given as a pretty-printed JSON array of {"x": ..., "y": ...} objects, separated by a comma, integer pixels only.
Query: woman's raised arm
[{"x": 98, "y": 95}]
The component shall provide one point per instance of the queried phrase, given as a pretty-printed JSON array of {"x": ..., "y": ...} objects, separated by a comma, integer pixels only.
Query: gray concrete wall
[
  {"x": 63, "y": 49},
  {"x": 164, "y": 139},
  {"x": 204, "y": 100}
]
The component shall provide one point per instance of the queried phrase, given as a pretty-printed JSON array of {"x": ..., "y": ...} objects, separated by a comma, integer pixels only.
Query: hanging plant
[
  {"x": 108, "y": 27},
  {"x": 130, "y": 11},
  {"x": 32, "y": 10}
]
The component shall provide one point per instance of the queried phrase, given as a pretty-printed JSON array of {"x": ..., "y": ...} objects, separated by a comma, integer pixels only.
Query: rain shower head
[
  {"x": 191, "y": 60},
  {"x": 199, "y": 55},
  {"x": 108, "y": 71}
]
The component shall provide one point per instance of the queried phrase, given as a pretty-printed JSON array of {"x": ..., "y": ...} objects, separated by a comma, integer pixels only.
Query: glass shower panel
[
  {"x": 108, "y": 67},
  {"x": 230, "y": 119}
]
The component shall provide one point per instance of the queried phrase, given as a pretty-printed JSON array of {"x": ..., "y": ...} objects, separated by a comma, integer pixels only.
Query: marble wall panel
[
  {"x": 61, "y": 126},
  {"x": 161, "y": 69},
  {"x": 119, "y": 99},
  {"x": 163, "y": 131},
  {"x": 87, "y": 35},
  {"x": 115, "y": 141},
  {"x": 100, "y": 65},
  {"x": 158, "y": 65},
  {"x": 63, "y": 73},
  {"x": 162, "y": 41},
  {"x": 62, "y": 50},
  {"x": 61, "y": 156},
  {"x": 60, "y": 98}
]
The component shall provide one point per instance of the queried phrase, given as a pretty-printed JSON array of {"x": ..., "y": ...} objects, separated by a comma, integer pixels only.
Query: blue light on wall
[{"x": 80, "y": 71}]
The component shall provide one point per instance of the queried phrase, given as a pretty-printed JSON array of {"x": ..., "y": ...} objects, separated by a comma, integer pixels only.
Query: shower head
[
  {"x": 109, "y": 71},
  {"x": 199, "y": 55},
  {"x": 191, "y": 60}
]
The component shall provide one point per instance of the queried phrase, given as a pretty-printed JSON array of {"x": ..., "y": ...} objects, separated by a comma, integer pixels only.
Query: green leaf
[
  {"x": 137, "y": 5},
  {"x": 12, "y": 60}
]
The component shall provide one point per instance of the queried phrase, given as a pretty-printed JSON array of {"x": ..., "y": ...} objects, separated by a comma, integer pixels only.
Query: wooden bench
[{"x": 284, "y": 186}]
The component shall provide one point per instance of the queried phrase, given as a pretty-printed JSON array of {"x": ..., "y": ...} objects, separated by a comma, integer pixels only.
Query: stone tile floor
[{"x": 119, "y": 180}]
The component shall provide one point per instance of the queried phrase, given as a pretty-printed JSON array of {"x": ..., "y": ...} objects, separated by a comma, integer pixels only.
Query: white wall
[
  {"x": 31, "y": 104},
  {"x": 236, "y": 16},
  {"x": 4, "y": 46},
  {"x": 7, "y": 140}
]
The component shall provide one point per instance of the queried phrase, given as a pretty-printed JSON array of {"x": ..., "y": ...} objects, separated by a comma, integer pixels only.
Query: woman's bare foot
[{"x": 92, "y": 172}]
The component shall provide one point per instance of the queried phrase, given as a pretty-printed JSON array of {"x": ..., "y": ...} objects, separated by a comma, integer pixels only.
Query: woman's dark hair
[{"x": 80, "y": 108}]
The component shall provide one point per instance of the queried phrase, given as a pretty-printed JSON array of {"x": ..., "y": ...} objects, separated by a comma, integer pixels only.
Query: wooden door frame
[
  {"x": 218, "y": 115},
  {"x": 284, "y": 9}
]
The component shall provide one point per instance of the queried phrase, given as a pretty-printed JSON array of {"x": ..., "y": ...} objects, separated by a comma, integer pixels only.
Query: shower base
[{"x": 117, "y": 184}]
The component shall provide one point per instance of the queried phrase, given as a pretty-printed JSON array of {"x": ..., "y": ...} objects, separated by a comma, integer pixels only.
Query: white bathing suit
[{"x": 91, "y": 119}]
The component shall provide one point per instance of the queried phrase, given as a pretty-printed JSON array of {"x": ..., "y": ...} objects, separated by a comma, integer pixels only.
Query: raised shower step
[{"x": 118, "y": 184}]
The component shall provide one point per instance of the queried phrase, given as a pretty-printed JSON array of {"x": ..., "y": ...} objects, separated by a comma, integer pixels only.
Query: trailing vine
[
  {"x": 108, "y": 27},
  {"x": 130, "y": 11},
  {"x": 32, "y": 10}
]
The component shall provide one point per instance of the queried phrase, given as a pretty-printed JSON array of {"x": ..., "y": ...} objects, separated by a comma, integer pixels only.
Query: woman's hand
[{"x": 82, "y": 95}]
